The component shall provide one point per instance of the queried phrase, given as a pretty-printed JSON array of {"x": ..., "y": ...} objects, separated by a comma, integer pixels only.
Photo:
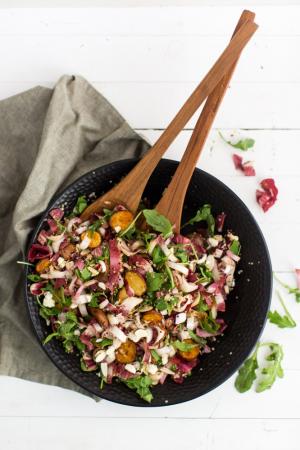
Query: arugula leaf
[
  {"x": 235, "y": 247},
  {"x": 204, "y": 214},
  {"x": 156, "y": 356},
  {"x": 182, "y": 255},
  {"x": 290, "y": 289},
  {"x": 196, "y": 338},
  {"x": 158, "y": 222},
  {"x": 65, "y": 332},
  {"x": 95, "y": 225},
  {"x": 247, "y": 373},
  {"x": 285, "y": 321},
  {"x": 80, "y": 206},
  {"x": 85, "y": 274},
  {"x": 34, "y": 277},
  {"x": 161, "y": 304},
  {"x": 107, "y": 213},
  {"x": 105, "y": 343},
  {"x": 49, "y": 337},
  {"x": 155, "y": 281},
  {"x": 272, "y": 371},
  {"x": 130, "y": 230},
  {"x": 210, "y": 325},
  {"x": 158, "y": 256},
  {"x": 242, "y": 144},
  {"x": 141, "y": 385},
  {"x": 183, "y": 346},
  {"x": 170, "y": 275}
]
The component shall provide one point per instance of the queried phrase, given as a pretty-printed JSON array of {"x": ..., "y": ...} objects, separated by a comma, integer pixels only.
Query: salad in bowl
[{"x": 137, "y": 302}]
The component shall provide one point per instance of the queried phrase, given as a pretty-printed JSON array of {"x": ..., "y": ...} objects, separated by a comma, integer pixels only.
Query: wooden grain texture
[
  {"x": 146, "y": 69},
  {"x": 172, "y": 202}
]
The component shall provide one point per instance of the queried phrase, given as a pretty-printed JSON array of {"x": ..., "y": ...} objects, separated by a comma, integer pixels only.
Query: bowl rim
[{"x": 32, "y": 237}]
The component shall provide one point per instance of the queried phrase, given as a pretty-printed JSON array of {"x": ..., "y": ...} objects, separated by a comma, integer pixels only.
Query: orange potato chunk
[
  {"x": 152, "y": 316},
  {"x": 100, "y": 316},
  {"x": 122, "y": 294},
  {"x": 121, "y": 220},
  {"x": 94, "y": 236},
  {"x": 126, "y": 353},
  {"x": 42, "y": 265},
  {"x": 136, "y": 282},
  {"x": 190, "y": 354}
]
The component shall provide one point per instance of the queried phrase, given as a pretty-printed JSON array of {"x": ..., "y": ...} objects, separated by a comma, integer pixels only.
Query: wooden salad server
[{"x": 130, "y": 189}]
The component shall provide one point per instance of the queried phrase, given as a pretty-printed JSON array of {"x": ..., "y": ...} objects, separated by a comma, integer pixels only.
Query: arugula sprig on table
[
  {"x": 290, "y": 289},
  {"x": 285, "y": 321},
  {"x": 242, "y": 144},
  {"x": 268, "y": 374}
]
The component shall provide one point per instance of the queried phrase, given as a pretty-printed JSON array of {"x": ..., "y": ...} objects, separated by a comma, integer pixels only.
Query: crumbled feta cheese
[
  {"x": 180, "y": 318},
  {"x": 70, "y": 265},
  {"x": 130, "y": 368},
  {"x": 191, "y": 323},
  {"x": 213, "y": 242},
  {"x": 152, "y": 368},
  {"x": 113, "y": 320},
  {"x": 48, "y": 300},
  {"x": 210, "y": 262},
  {"x": 93, "y": 271},
  {"x": 102, "y": 266},
  {"x": 61, "y": 262},
  {"x": 117, "y": 229},
  {"x": 102, "y": 285}
]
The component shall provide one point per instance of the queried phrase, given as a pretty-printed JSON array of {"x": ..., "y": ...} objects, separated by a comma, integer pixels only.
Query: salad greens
[
  {"x": 242, "y": 144},
  {"x": 285, "y": 321}
]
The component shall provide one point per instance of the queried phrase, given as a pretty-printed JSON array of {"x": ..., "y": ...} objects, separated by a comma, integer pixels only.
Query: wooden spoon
[
  {"x": 130, "y": 189},
  {"x": 172, "y": 201}
]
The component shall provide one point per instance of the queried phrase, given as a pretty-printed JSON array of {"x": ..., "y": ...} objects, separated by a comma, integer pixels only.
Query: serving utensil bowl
[{"x": 247, "y": 305}]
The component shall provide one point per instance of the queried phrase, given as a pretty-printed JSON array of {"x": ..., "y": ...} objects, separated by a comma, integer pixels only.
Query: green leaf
[
  {"x": 158, "y": 256},
  {"x": 242, "y": 144},
  {"x": 97, "y": 224},
  {"x": 105, "y": 343},
  {"x": 272, "y": 371},
  {"x": 156, "y": 356},
  {"x": 155, "y": 281},
  {"x": 170, "y": 276},
  {"x": 34, "y": 277},
  {"x": 247, "y": 373},
  {"x": 161, "y": 304},
  {"x": 210, "y": 325},
  {"x": 182, "y": 255},
  {"x": 196, "y": 338},
  {"x": 84, "y": 274},
  {"x": 285, "y": 321},
  {"x": 80, "y": 206},
  {"x": 203, "y": 214},
  {"x": 141, "y": 385},
  {"x": 130, "y": 230},
  {"x": 183, "y": 346},
  {"x": 158, "y": 222},
  {"x": 235, "y": 247},
  {"x": 290, "y": 289},
  {"x": 49, "y": 337}
]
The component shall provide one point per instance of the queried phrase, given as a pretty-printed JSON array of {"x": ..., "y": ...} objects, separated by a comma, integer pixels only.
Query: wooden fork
[
  {"x": 172, "y": 201},
  {"x": 130, "y": 189}
]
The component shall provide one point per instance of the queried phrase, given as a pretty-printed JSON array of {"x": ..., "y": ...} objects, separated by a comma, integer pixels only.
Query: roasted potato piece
[
  {"x": 126, "y": 352},
  {"x": 42, "y": 265},
  {"x": 190, "y": 354},
  {"x": 120, "y": 220},
  {"x": 122, "y": 294},
  {"x": 67, "y": 251},
  {"x": 152, "y": 316},
  {"x": 94, "y": 236},
  {"x": 136, "y": 282},
  {"x": 100, "y": 316}
]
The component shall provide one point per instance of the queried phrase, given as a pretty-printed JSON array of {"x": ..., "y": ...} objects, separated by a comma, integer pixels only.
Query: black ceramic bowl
[{"x": 247, "y": 304}]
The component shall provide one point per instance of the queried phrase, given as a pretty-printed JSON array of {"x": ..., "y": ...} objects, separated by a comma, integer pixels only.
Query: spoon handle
[{"x": 172, "y": 201}]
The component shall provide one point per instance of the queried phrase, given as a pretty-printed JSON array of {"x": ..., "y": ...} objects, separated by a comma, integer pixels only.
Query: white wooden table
[{"x": 143, "y": 61}]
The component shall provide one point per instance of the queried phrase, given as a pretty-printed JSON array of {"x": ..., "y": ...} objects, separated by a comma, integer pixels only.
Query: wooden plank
[
  {"x": 145, "y": 58},
  {"x": 212, "y": 19},
  {"x": 153, "y": 105}
]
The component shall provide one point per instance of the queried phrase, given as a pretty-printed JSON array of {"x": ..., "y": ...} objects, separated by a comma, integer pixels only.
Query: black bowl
[{"x": 247, "y": 304}]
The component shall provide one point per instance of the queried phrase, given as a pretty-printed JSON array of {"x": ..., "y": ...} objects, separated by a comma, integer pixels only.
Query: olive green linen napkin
[{"x": 48, "y": 138}]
